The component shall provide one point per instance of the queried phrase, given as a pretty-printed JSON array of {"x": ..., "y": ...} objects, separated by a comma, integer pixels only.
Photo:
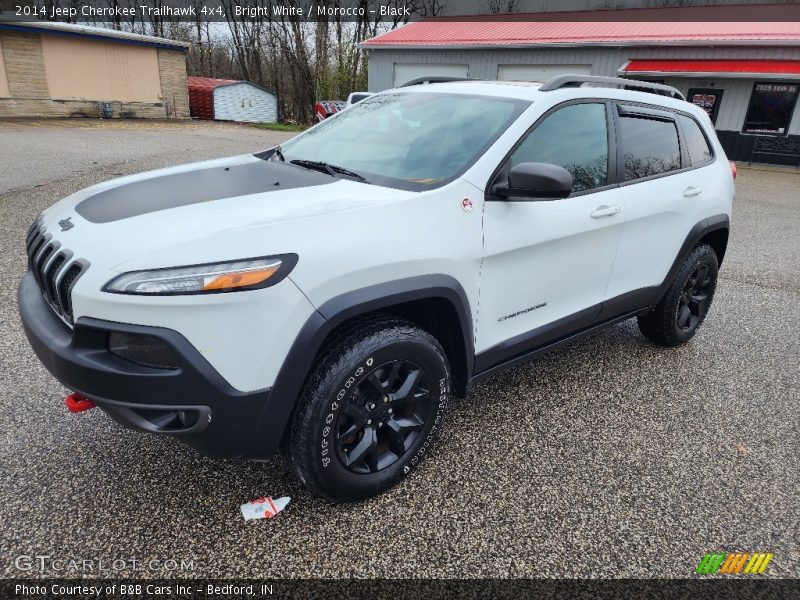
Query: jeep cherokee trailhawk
[{"x": 335, "y": 291}]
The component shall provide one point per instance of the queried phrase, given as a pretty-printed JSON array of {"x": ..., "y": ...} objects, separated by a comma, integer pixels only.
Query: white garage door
[
  {"x": 246, "y": 103},
  {"x": 403, "y": 73},
  {"x": 539, "y": 72}
]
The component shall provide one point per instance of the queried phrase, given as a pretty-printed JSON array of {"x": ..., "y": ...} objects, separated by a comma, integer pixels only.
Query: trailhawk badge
[{"x": 466, "y": 204}]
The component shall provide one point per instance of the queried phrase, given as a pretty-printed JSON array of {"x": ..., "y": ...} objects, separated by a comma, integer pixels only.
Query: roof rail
[
  {"x": 566, "y": 81},
  {"x": 436, "y": 79}
]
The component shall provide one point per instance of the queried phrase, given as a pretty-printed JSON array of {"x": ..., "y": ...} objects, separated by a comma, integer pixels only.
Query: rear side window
[
  {"x": 650, "y": 147},
  {"x": 696, "y": 142}
]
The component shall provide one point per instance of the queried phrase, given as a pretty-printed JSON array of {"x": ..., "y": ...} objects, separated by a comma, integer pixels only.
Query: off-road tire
[
  {"x": 344, "y": 390},
  {"x": 668, "y": 324}
]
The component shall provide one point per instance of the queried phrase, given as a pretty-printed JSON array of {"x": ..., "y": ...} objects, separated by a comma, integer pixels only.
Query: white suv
[{"x": 335, "y": 291}]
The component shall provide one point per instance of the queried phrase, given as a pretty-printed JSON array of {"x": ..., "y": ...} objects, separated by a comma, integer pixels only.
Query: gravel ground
[{"x": 609, "y": 458}]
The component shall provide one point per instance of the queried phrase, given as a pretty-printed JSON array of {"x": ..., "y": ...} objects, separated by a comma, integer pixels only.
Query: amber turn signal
[{"x": 228, "y": 281}]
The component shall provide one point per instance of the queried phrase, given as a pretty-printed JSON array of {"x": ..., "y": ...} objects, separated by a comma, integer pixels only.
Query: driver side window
[{"x": 574, "y": 137}]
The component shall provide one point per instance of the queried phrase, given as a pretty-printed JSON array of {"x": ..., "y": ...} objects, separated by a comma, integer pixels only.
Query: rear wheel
[
  {"x": 370, "y": 410},
  {"x": 683, "y": 308}
]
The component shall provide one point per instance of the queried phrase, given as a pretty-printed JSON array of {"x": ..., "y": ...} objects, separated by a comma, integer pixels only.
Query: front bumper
[{"x": 192, "y": 402}]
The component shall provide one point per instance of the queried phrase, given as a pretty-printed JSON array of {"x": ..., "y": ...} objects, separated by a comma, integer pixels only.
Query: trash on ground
[{"x": 264, "y": 508}]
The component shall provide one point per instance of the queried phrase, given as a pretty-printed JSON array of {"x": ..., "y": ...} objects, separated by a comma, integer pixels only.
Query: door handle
[
  {"x": 605, "y": 211},
  {"x": 692, "y": 191}
]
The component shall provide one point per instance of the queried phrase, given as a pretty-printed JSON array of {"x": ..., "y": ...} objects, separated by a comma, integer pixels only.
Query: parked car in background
[
  {"x": 327, "y": 108},
  {"x": 357, "y": 97}
]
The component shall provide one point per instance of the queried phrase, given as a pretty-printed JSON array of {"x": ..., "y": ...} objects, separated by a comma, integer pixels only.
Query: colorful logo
[{"x": 734, "y": 563}]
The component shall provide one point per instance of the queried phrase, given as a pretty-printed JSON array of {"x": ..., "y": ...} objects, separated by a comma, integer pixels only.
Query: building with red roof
[
  {"x": 739, "y": 62},
  {"x": 231, "y": 100}
]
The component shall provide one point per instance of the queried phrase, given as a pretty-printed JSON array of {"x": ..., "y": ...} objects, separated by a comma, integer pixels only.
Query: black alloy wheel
[
  {"x": 694, "y": 299},
  {"x": 383, "y": 416},
  {"x": 684, "y": 306},
  {"x": 371, "y": 410}
]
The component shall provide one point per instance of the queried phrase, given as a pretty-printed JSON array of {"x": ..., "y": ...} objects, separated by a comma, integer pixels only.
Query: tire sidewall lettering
[
  {"x": 333, "y": 411},
  {"x": 444, "y": 394}
]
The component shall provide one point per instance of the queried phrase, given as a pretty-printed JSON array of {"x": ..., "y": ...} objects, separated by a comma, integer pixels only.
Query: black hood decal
[{"x": 193, "y": 187}]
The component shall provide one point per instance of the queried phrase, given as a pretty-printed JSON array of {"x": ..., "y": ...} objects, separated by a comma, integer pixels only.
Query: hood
[
  {"x": 169, "y": 190},
  {"x": 203, "y": 212}
]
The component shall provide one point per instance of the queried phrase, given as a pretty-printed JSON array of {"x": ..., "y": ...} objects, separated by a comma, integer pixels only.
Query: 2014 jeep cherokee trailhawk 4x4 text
[{"x": 335, "y": 291}]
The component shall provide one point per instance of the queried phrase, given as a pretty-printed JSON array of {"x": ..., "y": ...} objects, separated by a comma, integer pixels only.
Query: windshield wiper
[{"x": 328, "y": 168}]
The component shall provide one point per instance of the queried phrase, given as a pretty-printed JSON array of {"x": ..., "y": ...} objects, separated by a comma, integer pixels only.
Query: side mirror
[{"x": 532, "y": 180}]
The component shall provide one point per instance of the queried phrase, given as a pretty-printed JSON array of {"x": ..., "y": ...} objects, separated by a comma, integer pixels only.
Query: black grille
[
  {"x": 53, "y": 268},
  {"x": 50, "y": 275},
  {"x": 38, "y": 241},
  {"x": 65, "y": 285}
]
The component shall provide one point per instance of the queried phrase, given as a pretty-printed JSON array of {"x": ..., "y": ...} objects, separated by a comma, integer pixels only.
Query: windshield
[{"x": 411, "y": 141}]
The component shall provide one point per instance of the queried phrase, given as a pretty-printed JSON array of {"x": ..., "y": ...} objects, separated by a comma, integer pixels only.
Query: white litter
[{"x": 264, "y": 508}]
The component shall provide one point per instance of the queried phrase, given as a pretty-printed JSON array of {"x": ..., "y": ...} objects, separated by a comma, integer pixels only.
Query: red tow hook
[{"x": 77, "y": 403}]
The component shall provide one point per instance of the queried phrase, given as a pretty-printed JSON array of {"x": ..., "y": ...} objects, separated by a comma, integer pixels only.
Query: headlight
[{"x": 240, "y": 275}]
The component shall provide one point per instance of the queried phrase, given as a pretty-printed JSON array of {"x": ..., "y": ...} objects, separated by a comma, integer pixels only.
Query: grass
[{"x": 280, "y": 126}]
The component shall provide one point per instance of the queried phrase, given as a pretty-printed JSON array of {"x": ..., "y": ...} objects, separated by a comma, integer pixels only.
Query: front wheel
[
  {"x": 370, "y": 411},
  {"x": 683, "y": 308}
]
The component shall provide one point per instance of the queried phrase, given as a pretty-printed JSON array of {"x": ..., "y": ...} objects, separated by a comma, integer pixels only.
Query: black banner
[{"x": 79, "y": 589}]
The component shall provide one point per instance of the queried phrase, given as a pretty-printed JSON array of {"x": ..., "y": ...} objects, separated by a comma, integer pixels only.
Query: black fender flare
[
  {"x": 697, "y": 233},
  {"x": 299, "y": 361}
]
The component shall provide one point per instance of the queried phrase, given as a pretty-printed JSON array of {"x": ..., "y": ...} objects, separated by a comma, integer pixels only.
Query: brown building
[{"x": 63, "y": 70}]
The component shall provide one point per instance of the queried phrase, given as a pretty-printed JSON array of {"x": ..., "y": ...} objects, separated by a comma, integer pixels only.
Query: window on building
[
  {"x": 650, "y": 147},
  {"x": 696, "y": 142},
  {"x": 709, "y": 99},
  {"x": 574, "y": 137},
  {"x": 771, "y": 107}
]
